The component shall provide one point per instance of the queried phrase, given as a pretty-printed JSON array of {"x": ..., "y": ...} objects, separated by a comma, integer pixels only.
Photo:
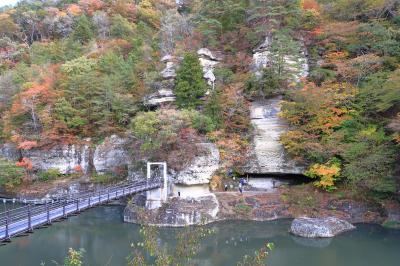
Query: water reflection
[
  {"x": 312, "y": 242},
  {"x": 107, "y": 240}
]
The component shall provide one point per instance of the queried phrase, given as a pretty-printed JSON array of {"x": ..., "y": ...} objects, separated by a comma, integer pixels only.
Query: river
[{"x": 107, "y": 240}]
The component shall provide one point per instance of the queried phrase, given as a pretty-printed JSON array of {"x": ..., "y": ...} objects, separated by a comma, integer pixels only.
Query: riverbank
[
  {"x": 286, "y": 201},
  {"x": 102, "y": 227},
  {"x": 281, "y": 203}
]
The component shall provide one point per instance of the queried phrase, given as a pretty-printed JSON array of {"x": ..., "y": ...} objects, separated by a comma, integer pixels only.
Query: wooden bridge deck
[{"x": 25, "y": 219}]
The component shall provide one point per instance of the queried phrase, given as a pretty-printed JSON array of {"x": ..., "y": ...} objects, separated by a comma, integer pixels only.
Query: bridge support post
[
  {"x": 64, "y": 203},
  {"x": 7, "y": 238},
  {"x": 165, "y": 188},
  {"x": 30, "y": 229},
  {"x": 48, "y": 213},
  {"x": 157, "y": 198}
]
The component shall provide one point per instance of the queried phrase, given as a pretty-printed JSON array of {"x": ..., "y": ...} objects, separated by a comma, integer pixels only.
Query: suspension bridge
[{"x": 25, "y": 219}]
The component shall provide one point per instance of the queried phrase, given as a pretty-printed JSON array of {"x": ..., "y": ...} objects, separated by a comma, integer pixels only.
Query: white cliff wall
[{"x": 269, "y": 155}]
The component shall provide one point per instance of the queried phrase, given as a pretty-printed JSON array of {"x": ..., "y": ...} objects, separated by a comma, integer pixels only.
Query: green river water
[{"x": 106, "y": 239}]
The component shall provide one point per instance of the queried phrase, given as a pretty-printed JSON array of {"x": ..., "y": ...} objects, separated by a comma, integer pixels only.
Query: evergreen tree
[
  {"x": 83, "y": 31},
  {"x": 189, "y": 84},
  {"x": 213, "y": 109},
  {"x": 284, "y": 47}
]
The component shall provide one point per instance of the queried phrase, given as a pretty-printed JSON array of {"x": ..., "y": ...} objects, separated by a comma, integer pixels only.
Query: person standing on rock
[{"x": 240, "y": 187}]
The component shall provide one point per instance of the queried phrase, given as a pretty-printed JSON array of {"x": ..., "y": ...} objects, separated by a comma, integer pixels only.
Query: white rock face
[
  {"x": 167, "y": 58},
  {"x": 162, "y": 96},
  {"x": 208, "y": 69},
  {"x": 269, "y": 153},
  {"x": 106, "y": 157},
  {"x": 261, "y": 55},
  {"x": 64, "y": 158},
  {"x": 202, "y": 168},
  {"x": 319, "y": 227},
  {"x": 112, "y": 153},
  {"x": 165, "y": 94},
  {"x": 297, "y": 65},
  {"x": 208, "y": 61},
  {"x": 169, "y": 71},
  {"x": 164, "y": 90},
  {"x": 206, "y": 53}
]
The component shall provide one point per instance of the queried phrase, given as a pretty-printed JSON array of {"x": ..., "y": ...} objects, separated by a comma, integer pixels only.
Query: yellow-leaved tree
[{"x": 327, "y": 174}]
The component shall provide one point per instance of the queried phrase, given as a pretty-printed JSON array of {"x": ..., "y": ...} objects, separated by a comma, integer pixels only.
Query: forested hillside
[
  {"x": 346, "y": 117},
  {"x": 79, "y": 71}
]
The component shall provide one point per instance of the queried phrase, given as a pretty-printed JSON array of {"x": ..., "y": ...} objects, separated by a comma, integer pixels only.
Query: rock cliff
[
  {"x": 106, "y": 157},
  {"x": 268, "y": 154}
]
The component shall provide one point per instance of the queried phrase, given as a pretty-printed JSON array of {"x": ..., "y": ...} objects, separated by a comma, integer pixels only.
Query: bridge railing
[{"x": 30, "y": 214}]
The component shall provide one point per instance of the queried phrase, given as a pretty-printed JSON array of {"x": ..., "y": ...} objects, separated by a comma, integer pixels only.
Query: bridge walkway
[{"x": 25, "y": 219}]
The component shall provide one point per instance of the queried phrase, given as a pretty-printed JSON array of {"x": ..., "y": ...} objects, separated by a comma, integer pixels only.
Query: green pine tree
[
  {"x": 189, "y": 84},
  {"x": 83, "y": 31}
]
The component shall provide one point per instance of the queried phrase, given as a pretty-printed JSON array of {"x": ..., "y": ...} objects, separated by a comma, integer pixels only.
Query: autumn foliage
[
  {"x": 25, "y": 163},
  {"x": 327, "y": 175},
  {"x": 310, "y": 5}
]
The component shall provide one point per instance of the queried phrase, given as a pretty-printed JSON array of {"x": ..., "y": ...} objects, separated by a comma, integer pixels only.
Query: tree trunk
[{"x": 91, "y": 168}]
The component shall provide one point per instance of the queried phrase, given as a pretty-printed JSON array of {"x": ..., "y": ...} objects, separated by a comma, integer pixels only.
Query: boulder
[{"x": 319, "y": 227}]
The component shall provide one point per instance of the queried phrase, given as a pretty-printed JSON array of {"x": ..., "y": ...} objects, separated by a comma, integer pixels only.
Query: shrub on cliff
[
  {"x": 11, "y": 175},
  {"x": 50, "y": 174},
  {"x": 169, "y": 135}
]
